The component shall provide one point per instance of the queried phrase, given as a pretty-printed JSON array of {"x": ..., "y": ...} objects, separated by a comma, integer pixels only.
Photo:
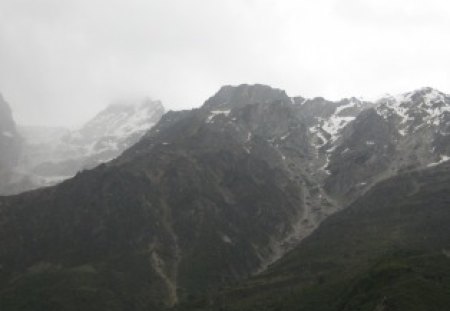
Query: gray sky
[{"x": 61, "y": 61}]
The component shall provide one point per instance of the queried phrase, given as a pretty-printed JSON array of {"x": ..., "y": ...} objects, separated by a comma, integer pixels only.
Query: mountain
[
  {"x": 10, "y": 146},
  {"x": 51, "y": 155},
  {"x": 163, "y": 216},
  {"x": 208, "y": 197},
  {"x": 389, "y": 250}
]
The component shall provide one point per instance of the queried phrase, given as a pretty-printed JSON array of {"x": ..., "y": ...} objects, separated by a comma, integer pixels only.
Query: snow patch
[
  {"x": 324, "y": 167},
  {"x": 351, "y": 104},
  {"x": 335, "y": 124},
  {"x": 215, "y": 113},
  {"x": 444, "y": 158},
  {"x": 285, "y": 136},
  {"x": 323, "y": 138}
]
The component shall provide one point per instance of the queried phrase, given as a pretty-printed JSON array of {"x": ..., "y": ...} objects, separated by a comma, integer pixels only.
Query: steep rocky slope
[{"x": 388, "y": 251}]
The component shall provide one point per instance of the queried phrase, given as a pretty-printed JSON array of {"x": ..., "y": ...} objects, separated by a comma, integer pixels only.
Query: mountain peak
[
  {"x": 424, "y": 94},
  {"x": 427, "y": 90},
  {"x": 132, "y": 105},
  {"x": 148, "y": 102},
  {"x": 244, "y": 94},
  {"x": 123, "y": 117},
  {"x": 429, "y": 94}
]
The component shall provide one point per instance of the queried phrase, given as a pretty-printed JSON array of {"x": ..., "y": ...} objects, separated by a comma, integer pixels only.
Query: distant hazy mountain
[
  {"x": 10, "y": 148},
  {"x": 51, "y": 155},
  {"x": 209, "y": 196}
]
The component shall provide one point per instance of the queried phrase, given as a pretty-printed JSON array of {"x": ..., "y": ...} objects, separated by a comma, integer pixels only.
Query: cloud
[
  {"x": 61, "y": 61},
  {"x": 399, "y": 14}
]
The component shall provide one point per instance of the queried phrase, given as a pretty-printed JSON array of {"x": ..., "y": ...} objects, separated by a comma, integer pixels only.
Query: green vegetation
[
  {"x": 386, "y": 252},
  {"x": 120, "y": 284}
]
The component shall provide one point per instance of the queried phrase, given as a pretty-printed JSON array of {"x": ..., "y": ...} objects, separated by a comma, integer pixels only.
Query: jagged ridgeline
[{"x": 209, "y": 197}]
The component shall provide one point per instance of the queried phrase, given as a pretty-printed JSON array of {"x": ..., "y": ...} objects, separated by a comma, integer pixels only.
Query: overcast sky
[{"x": 61, "y": 61}]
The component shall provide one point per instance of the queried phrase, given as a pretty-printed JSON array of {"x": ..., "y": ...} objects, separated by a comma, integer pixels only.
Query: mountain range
[{"x": 254, "y": 201}]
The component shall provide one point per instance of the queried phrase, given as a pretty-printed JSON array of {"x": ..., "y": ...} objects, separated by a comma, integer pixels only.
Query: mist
[{"x": 62, "y": 61}]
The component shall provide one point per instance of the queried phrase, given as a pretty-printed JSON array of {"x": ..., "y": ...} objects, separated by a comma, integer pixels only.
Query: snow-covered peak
[
  {"x": 133, "y": 105},
  {"x": 57, "y": 154},
  {"x": 425, "y": 107},
  {"x": 426, "y": 95},
  {"x": 122, "y": 119}
]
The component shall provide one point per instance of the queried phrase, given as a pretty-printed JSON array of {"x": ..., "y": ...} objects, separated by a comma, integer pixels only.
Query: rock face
[
  {"x": 209, "y": 196},
  {"x": 54, "y": 154},
  {"x": 10, "y": 146}
]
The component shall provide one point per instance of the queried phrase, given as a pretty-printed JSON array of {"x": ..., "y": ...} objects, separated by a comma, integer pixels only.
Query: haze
[{"x": 62, "y": 61}]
